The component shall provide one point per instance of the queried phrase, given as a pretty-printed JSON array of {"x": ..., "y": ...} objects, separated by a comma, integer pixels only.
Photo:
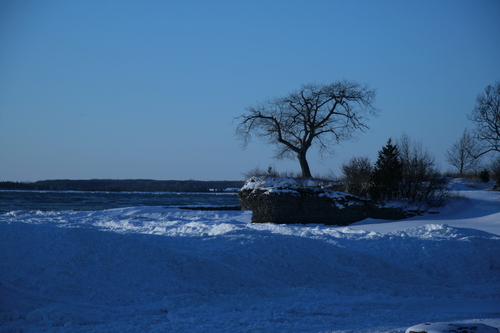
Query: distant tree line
[{"x": 129, "y": 185}]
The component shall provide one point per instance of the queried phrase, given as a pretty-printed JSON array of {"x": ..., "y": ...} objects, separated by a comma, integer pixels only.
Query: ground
[{"x": 153, "y": 269}]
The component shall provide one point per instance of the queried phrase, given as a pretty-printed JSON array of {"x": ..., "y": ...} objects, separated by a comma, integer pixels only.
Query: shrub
[
  {"x": 495, "y": 170},
  {"x": 357, "y": 175},
  {"x": 257, "y": 172},
  {"x": 421, "y": 182},
  {"x": 484, "y": 176},
  {"x": 406, "y": 171},
  {"x": 269, "y": 172}
]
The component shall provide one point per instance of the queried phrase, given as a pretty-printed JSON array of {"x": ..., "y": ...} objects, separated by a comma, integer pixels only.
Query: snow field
[{"x": 151, "y": 269}]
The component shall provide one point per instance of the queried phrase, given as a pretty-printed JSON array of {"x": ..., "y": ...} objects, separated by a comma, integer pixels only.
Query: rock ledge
[{"x": 291, "y": 201}]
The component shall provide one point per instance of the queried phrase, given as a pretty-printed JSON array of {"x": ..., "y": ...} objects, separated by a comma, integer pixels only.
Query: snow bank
[
  {"x": 477, "y": 208},
  {"x": 451, "y": 328},
  {"x": 154, "y": 269}
]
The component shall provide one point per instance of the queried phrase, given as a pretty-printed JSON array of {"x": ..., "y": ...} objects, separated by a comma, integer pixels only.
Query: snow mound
[{"x": 463, "y": 184}]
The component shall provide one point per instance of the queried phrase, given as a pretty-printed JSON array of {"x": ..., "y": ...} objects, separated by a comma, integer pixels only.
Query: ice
[{"x": 155, "y": 269}]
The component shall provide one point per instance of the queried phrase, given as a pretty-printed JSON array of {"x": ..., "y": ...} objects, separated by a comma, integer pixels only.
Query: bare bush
[
  {"x": 357, "y": 175},
  {"x": 257, "y": 172},
  {"x": 269, "y": 172},
  {"x": 495, "y": 170},
  {"x": 421, "y": 181}
]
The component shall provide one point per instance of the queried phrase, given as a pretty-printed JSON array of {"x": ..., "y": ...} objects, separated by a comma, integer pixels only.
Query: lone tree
[
  {"x": 486, "y": 115},
  {"x": 315, "y": 114}
]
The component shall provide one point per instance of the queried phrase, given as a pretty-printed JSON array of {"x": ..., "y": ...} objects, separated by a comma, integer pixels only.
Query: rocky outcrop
[{"x": 288, "y": 201}]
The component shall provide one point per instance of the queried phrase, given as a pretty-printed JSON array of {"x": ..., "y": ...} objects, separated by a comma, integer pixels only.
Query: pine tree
[{"x": 387, "y": 174}]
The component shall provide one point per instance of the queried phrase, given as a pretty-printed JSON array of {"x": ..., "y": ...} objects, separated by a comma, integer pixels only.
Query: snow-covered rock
[
  {"x": 296, "y": 201},
  {"x": 284, "y": 183}
]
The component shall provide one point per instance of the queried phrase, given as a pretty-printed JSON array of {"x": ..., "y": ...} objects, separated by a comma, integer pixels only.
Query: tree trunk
[{"x": 306, "y": 172}]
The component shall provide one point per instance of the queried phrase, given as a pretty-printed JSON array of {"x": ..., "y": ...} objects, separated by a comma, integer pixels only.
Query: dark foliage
[
  {"x": 484, "y": 176},
  {"x": 406, "y": 171},
  {"x": 387, "y": 174}
]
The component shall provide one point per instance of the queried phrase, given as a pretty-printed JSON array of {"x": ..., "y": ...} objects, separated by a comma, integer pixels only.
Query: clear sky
[{"x": 149, "y": 89}]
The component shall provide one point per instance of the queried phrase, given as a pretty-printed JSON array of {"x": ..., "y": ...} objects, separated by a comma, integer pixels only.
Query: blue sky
[{"x": 149, "y": 89}]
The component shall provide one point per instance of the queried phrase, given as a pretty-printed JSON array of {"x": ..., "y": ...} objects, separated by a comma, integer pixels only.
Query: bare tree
[
  {"x": 462, "y": 154},
  {"x": 495, "y": 170},
  {"x": 421, "y": 181},
  {"x": 486, "y": 115},
  {"x": 315, "y": 114}
]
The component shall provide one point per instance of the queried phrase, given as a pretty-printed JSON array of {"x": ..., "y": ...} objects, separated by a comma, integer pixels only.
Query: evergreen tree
[{"x": 387, "y": 174}]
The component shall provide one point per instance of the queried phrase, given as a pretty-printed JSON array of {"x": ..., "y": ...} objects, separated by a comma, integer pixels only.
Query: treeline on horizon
[{"x": 127, "y": 185}]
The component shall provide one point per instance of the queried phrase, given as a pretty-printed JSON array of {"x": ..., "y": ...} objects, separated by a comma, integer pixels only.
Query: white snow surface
[
  {"x": 153, "y": 269},
  {"x": 451, "y": 328},
  {"x": 283, "y": 184},
  {"x": 292, "y": 185}
]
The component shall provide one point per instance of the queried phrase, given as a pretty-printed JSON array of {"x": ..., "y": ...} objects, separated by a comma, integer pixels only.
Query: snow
[
  {"x": 283, "y": 184},
  {"x": 270, "y": 182},
  {"x": 155, "y": 269},
  {"x": 451, "y": 328},
  {"x": 479, "y": 209},
  {"x": 280, "y": 185}
]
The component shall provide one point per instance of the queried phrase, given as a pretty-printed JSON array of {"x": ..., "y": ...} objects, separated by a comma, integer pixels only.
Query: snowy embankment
[{"x": 152, "y": 269}]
